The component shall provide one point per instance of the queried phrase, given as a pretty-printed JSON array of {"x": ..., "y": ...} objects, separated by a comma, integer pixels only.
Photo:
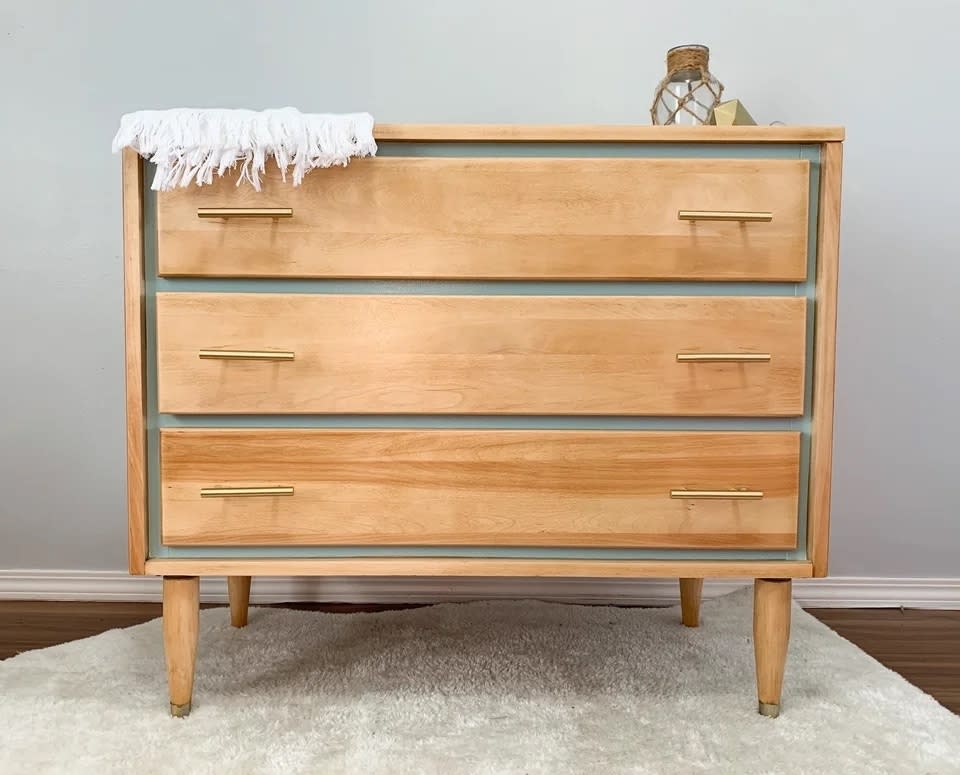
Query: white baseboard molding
[{"x": 834, "y": 592}]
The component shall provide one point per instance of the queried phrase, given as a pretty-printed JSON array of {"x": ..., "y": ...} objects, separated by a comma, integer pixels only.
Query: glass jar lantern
[{"x": 688, "y": 93}]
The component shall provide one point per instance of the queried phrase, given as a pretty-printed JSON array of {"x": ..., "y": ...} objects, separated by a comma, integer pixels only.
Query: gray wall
[{"x": 885, "y": 70}]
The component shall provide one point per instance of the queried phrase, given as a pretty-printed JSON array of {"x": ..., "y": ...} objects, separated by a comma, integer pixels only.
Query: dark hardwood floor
[{"x": 923, "y": 646}]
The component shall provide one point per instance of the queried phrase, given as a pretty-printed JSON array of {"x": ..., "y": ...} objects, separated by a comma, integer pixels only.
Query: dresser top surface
[{"x": 615, "y": 133}]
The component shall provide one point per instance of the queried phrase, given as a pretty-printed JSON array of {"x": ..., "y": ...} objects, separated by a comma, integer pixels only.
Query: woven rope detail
[
  {"x": 700, "y": 100},
  {"x": 687, "y": 58}
]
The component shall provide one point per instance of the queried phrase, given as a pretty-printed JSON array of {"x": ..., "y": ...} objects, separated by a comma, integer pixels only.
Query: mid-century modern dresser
[{"x": 553, "y": 351}]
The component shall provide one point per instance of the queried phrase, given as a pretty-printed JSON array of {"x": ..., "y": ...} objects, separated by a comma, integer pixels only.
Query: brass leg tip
[
  {"x": 180, "y": 711},
  {"x": 771, "y": 709}
]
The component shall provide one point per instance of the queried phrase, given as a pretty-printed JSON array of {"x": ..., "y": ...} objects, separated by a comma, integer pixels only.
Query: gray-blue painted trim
[
  {"x": 155, "y": 421},
  {"x": 486, "y": 422},
  {"x": 594, "y": 150},
  {"x": 537, "y": 553},
  {"x": 476, "y": 287},
  {"x": 812, "y": 154},
  {"x": 154, "y": 546}
]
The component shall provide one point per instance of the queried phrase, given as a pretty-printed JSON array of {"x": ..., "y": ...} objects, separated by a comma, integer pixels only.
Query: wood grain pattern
[
  {"x": 181, "y": 631},
  {"x": 480, "y": 354},
  {"x": 691, "y": 592},
  {"x": 828, "y": 267},
  {"x": 604, "y": 218},
  {"x": 771, "y": 636},
  {"x": 463, "y": 487},
  {"x": 472, "y": 567},
  {"x": 606, "y": 133},
  {"x": 134, "y": 347},
  {"x": 238, "y": 591}
]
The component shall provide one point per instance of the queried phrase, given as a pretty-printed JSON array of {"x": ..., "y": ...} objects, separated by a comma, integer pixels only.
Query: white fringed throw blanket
[{"x": 191, "y": 145}]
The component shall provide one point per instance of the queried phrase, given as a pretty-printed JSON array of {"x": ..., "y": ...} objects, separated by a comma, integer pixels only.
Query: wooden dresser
[{"x": 517, "y": 351}]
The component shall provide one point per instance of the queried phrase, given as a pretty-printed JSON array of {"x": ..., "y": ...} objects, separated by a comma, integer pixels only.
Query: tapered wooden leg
[
  {"x": 691, "y": 590},
  {"x": 771, "y": 634},
  {"x": 181, "y": 629},
  {"x": 238, "y": 588}
]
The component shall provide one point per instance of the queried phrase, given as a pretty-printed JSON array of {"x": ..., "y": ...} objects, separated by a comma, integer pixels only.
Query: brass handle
[
  {"x": 244, "y": 212},
  {"x": 723, "y": 357},
  {"x": 247, "y": 355},
  {"x": 243, "y": 492},
  {"x": 718, "y": 494},
  {"x": 723, "y": 215}
]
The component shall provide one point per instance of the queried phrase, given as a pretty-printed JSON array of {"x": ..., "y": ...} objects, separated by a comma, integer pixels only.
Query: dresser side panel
[{"x": 134, "y": 328}]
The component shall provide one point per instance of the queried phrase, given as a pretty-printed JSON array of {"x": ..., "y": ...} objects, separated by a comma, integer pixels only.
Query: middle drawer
[{"x": 271, "y": 353}]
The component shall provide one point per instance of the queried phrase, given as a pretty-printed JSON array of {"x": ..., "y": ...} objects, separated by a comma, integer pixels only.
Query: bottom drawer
[{"x": 252, "y": 487}]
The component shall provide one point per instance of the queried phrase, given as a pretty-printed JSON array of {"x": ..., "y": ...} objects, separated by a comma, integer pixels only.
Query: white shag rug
[{"x": 489, "y": 687}]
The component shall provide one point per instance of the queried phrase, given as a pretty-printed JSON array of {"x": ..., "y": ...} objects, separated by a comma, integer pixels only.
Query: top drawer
[{"x": 499, "y": 218}]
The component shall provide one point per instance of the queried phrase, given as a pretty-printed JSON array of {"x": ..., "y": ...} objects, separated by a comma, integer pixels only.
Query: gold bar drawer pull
[
  {"x": 723, "y": 357},
  {"x": 718, "y": 494},
  {"x": 247, "y": 355},
  {"x": 724, "y": 215},
  {"x": 243, "y": 492},
  {"x": 244, "y": 212}
]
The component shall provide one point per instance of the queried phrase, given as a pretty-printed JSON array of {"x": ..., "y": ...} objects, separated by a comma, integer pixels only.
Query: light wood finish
[
  {"x": 238, "y": 590},
  {"x": 605, "y": 133},
  {"x": 181, "y": 630},
  {"x": 479, "y": 566},
  {"x": 415, "y": 214},
  {"x": 691, "y": 591},
  {"x": 133, "y": 315},
  {"x": 604, "y": 218},
  {"x": 825, "y": 342},
  {"x": 771, "y": 635},
  {"x": 480, "y": 354},
  {"x": 479, "y": 487}
]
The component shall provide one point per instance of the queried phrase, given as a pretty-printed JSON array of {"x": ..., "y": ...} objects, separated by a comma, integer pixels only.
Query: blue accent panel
[
  {"x": 476, "y": 287},
  {"x": 531, "y": 553},
  {"x": 155, "y": 421},
  {"x": 154, "y": 548},
  {"x": 812, "y": 154},
  {"x": 487, "y": 422},
  {"x": 594, "y": 150}
]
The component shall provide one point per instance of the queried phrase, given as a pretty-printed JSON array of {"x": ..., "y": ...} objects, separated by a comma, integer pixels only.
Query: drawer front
[
  {"x": 296, "y": 354},
  {"x": 467, "y": 487},
  {"x": 518, "y": 218}
]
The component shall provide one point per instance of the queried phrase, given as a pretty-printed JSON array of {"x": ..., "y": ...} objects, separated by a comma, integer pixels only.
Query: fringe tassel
[{"x": 191, "y": 145}]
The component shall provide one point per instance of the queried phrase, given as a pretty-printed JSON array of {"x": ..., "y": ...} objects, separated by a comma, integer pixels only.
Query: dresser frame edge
[
  {"x": 604, "y": 133},
  {"x": 824, "y": 364},
  {"x": 134, "y": 349},
  {"x": 480, "y": 566}
]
